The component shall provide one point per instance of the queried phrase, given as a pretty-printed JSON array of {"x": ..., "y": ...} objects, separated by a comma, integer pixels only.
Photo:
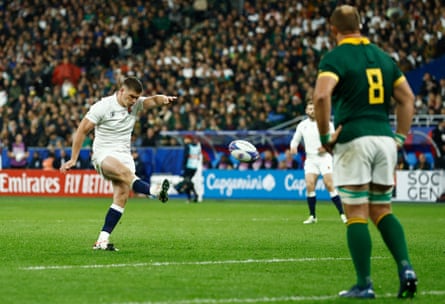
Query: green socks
[
  {"x": 394, "y": 238},
  {"x": 359, "y": 243}
]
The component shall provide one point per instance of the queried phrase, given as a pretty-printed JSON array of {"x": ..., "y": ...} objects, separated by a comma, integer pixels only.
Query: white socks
[{"x": 103, "y": 236}]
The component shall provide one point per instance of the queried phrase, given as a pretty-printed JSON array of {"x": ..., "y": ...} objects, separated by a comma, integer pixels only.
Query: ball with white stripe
[{"x": 243, "y": 151}]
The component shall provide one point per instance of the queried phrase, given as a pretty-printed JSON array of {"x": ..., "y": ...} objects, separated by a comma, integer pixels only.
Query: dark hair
[
  {"x": 133, "y": 84},
  {"x": 346, "y": 19}
]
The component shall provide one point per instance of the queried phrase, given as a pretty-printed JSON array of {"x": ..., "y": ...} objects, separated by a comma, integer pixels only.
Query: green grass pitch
[{"x": 212, "y": 252}]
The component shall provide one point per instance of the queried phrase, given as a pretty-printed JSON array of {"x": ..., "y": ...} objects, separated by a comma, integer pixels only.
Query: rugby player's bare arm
[
  {"x": 85, "y": 127},
  {"x": 405, "y": 106},
  {"x": 322, "y": 101},
  {"x": 158, "y": 101}
]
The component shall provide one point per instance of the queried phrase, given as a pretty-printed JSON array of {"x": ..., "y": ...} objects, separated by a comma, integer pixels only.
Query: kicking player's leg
[
  {"x": 114, "y": 170},
  {"x": 123, "y": 171},
  {"x": 120, "y": 196}
]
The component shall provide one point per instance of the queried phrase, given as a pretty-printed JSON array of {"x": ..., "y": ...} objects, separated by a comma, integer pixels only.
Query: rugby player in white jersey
[
  {"x": 113, "y": 118},
  {"x": 317, "y": 162}
]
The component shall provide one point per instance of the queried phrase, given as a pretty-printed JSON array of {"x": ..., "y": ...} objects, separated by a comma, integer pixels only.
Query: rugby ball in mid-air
[{"x": 243, "y": 151}]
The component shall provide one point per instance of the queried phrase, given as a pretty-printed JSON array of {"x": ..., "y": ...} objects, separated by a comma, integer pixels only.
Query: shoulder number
[{"x": 375, "y": 81}]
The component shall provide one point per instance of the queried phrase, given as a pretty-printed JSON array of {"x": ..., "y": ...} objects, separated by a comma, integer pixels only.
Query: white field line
[
  {"x": 274, "y": 299},
  {"x": 151, "y": 264}
]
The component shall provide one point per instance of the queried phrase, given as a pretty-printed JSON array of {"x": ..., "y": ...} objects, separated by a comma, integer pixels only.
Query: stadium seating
[{"x": 411, "y": 159}]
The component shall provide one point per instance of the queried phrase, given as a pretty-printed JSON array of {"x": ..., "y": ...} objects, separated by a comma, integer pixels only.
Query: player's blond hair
[{"x": 346, "y": 19}]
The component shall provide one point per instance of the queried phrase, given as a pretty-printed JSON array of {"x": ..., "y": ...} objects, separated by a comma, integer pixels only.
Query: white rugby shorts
[
  {"x": 318, "y": 164},
  {"x": 125, "y": 158},
  {"x": 365, "y": 159}
]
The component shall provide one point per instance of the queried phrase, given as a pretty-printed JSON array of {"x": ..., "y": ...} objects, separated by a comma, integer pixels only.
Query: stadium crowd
[{"x": 233, "y": 67}]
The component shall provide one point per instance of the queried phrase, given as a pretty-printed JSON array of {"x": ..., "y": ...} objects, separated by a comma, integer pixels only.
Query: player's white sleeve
[
  {"x": 96, "y": 112},
  {"x": 298, "y": 135}
]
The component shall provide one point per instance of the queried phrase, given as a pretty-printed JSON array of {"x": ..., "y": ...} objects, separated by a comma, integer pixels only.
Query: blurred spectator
[
  {"x": 206, "y": 162},
  {"x": 18, "y": 153},
  {"x": 242, "y": 166},
  {"x": 420, "y": 106},
  {"x": 402, "y": 164},
  {"x": 36, "y": 161},
  {"x": 88, "y": 142},
  {"x": 150, "y": 138},
  {"x": 224, "y": 163},
  {"x": 139, "y": 165},
  {"x": 429, "y": 85},
  {"x": 48, "y": 162},
  {"x": 33, "y": 136},
  {"x": 422, "y": 163},
  {"x": 200, "y": 7},
  {"x": 256, "y": 165},
  {"x": 126, "y": 44},
  {"x": 166, "y": 140},
  {"x": 61, "y": 159},
  {"x": 288, "y": 162},
  {"x": 162, "y": 24},
  {"x": 442, "y": 89},
  {"x": 269, "y": 161},
  {"x": 438, "y": 136},
  {"x": 66, "y": 73}
]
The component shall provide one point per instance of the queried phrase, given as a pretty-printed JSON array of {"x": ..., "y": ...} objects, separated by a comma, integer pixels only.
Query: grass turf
[{"x": 212, "y": 252}]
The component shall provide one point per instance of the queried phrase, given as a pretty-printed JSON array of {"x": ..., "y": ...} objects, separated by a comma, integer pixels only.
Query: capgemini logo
[
  {"x": 226, "y": 186},
  {"x": 269, "y": 182}
]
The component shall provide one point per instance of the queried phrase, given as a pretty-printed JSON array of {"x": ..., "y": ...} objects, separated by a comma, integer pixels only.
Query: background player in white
[
  {"x": 317, "y": 162},
  {"x": 113, "y": 118}
]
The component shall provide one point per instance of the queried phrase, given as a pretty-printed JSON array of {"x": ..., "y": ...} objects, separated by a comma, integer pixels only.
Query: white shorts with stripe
[{"x": 365, "y": 159}]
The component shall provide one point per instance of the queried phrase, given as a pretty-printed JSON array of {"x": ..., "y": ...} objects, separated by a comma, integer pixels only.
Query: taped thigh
[{"x": 353, "y": 197}]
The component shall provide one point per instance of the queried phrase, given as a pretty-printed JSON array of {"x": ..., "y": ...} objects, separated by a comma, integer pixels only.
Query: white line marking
[
  {"x": 248, "y": 261},
  {"x": 273, "y": 299},
  {"x": 236, "y": 300}
]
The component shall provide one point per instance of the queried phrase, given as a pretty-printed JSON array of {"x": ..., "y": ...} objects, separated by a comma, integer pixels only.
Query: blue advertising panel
[{"x": 259, "y": 184}]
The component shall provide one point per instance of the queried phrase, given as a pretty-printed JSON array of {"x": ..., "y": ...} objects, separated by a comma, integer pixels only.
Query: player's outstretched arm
[{"x": 158, "y": 101}]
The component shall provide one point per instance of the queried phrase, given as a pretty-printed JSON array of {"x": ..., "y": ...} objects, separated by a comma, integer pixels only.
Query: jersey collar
[{"x": 355, "y": 40}]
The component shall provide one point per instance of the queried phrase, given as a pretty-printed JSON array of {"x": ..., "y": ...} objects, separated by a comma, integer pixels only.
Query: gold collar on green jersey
[{"x": 354, "y": 40}]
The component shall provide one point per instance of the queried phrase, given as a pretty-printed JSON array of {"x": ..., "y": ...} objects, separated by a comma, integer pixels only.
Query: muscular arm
[
  {"x": 84, "y": 128},
  {"x": 322, "y": 102},
  {"x": 157, "y": 101},
  {"x": 405, "y": 107}
]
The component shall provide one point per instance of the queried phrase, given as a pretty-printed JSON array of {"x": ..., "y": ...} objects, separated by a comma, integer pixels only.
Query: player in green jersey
[{"x": 359, "y": 80}]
